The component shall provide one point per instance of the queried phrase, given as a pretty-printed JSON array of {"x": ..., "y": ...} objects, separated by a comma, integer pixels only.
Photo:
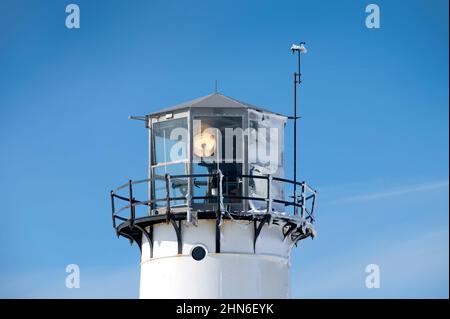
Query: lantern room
[{"x": 226, "y": 145}]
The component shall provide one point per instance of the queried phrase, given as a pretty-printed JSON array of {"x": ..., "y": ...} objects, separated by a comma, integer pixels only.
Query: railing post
[
  {"x": 303, "y": 200},
  {"x": 312, "y": 207},
  {"x": 188, "y": 201},
  {"x": 219, "y": 209},
  {"x": 113, "y": 210},
  {"x": 220, "y": 191},
  {"x": 167, "y": 196},
  {"x": 295, "y": 200},
  {"x": 130, "y": 188},
  {"x": 269, "y": 196}
]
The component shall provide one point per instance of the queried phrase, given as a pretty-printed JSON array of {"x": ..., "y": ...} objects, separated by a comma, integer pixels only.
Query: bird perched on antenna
[{"x": 299, "y": 47}]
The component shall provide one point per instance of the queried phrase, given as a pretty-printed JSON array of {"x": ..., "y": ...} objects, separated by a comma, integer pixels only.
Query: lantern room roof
[{"x": 214, "y": 100}]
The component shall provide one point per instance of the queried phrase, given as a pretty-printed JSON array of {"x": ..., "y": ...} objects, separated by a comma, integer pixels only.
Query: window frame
[{"x": 168, "y": 116}]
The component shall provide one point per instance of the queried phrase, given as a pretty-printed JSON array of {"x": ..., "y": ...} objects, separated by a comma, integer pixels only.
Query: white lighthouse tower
[{"x": 216, "y": 217}]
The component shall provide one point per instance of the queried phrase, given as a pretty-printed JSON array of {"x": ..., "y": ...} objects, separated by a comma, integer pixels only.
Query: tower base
[{"x": 224, "y": 275}]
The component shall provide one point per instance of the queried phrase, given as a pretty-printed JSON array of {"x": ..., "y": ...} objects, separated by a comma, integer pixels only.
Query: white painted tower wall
[{"x": 236, "y": 272}]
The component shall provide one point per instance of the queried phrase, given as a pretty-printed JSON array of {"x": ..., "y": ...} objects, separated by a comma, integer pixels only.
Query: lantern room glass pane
[
  {"x": 266, "y": 157},
  {"x": 178, "y": 186},
  {"x": 218, "y": 144},
  {"x": 170, "y": 141}
]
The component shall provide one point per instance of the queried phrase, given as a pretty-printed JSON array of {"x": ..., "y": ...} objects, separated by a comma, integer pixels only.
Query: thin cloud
[
  {"x": 423, "y": 258},
  {"x": 389, "y": 193}
]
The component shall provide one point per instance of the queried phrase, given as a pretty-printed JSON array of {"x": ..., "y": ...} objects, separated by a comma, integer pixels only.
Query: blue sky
[{"x": 373, "y": 139}]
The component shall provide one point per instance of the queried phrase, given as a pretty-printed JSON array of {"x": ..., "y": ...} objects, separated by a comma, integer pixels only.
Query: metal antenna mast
[{"x": 300, "y": 48}]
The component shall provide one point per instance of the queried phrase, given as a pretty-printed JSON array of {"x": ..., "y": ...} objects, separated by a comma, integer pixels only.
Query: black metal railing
[{"x": 305, "y": 203}]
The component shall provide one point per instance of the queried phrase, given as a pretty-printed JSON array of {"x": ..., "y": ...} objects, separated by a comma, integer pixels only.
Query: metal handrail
[{"x": 307, "y": 194}]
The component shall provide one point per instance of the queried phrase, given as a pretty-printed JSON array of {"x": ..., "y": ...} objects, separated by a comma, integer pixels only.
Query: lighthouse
[{"x": 217, "y": 216}]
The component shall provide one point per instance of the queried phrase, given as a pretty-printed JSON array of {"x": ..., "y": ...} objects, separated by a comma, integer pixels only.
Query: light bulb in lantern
[{"x": 204, "y": 144}]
